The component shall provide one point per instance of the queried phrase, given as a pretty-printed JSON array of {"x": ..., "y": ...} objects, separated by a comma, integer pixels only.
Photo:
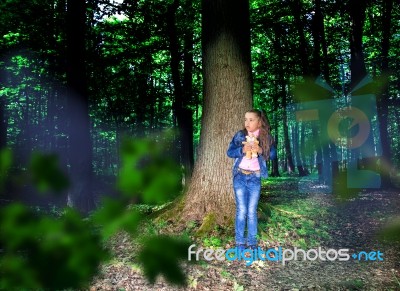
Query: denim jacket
[{"x": 235, "y": 150}]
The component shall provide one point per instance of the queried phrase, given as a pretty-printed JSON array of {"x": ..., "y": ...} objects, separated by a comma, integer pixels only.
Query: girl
[{"x": 247, "y": 174}]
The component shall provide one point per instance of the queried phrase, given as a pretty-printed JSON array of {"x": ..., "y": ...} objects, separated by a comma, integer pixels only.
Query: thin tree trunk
[
  {"x": 183, "y": 114},
  {"x": 188, "y": 92},
  {"x": 304, "y": 61},
  {"x": 316, "y": 33},
  {"x": 3, "y": 120},
  {"x": 275, "y": 164},
  {"x": 325, "y": 61},
  {"x": 297, "y": 149},
  {"x": 302, "y": 147},
  {"x": 3, "y": 123},
  {"x": 383, "y": 110},
  {"x": 282, "y": 92},
  {"x": 288, "y": 151},
  {"x": 27, "y": 127},
  {"x": 396, "y": 113},
  {"x": 299, "y": 23},
  {"x": 141, "y": 94},
  {"x": 319, "y": 38},
  {"x": 80, "y": 195},
  {"x": 357, "y": 63}
]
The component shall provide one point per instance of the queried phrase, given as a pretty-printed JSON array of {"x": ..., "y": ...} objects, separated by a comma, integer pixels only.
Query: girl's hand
[
  {"x": 246, "y": 148},
  {"x": 257, "y": 148}
]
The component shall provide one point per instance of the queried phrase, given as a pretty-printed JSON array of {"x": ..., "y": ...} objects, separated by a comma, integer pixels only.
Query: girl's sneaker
[
  {"x": 254, "y": 247},
  {"x": 240, "y": 247}
]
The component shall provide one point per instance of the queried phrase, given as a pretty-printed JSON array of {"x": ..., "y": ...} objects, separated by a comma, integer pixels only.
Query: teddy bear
[{"x": 251, "y": 140}]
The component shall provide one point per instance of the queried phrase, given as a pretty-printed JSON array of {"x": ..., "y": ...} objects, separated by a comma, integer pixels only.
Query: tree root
[
  {"x": 171, "y": 212},
  {"x": 207, "y": 226}
]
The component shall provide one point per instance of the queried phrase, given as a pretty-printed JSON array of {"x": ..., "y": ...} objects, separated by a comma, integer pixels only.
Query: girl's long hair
[{"x": 264, "y": 137}]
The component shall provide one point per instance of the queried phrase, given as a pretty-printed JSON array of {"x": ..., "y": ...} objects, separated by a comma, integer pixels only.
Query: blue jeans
[{"x": 247, "y": 193}]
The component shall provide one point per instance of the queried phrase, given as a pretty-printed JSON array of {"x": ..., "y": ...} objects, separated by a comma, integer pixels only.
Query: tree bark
[{"x": 227, "y": 96}]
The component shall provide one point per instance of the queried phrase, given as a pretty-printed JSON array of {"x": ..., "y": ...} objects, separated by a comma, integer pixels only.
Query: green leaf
[
  {"x": 46, "y": 173},
  {"x": 115, "y": 216},
  {"x": 5, "y": 164},
  {"x": 41, "y": 252},
  {"x": 161, "y": 255},
  {"x": 148, "y": 172},
  {"x": 391, "y": 232}
]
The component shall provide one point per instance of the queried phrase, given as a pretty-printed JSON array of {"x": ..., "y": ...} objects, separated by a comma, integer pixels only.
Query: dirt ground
[{"x": 354, "y": 226}]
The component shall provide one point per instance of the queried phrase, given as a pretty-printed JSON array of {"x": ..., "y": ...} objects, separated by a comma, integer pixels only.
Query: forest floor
[{"x": 353, "y": 224}]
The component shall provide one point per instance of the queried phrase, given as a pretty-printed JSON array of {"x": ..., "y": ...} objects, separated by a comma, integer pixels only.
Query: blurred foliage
[
  {"x": 115, "y": 216},
  {"x": 46, "y": 173},
  {"x": 5, "y": 164},
  {"x": 149, "y": 171},
  {"x": 391, "y": 232},
  {"x": 43, "y": 252},
  {"x": 160, "y": 255},
  {"x": 48, "y": 252}
]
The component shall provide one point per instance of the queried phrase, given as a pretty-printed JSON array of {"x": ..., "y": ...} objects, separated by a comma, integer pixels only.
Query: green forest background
[
  {"x": 78, "y": 80},
  {"x": 125, "y": 71}
]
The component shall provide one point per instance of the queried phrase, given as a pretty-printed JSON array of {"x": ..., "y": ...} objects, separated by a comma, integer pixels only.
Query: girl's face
[{"x": 251, "y": 121}]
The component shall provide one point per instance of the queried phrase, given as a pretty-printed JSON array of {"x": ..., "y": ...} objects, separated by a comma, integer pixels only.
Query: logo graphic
[
  {"x": 280, "y": 255},
  {"x": 358, "y": 119},
  {"x": 346, "y": 134}
]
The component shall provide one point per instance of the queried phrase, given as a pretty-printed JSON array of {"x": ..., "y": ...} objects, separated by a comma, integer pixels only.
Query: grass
[
  {"x": 288, "y": 217},
  {"x": 294, "y": 219},
  {"x": 354, "y": 284},
  {"x": 396, "y": 280},
  {"x": 212, "y": 242}
]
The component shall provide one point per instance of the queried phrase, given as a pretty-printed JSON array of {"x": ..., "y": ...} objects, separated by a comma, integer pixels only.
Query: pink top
[{"x": 251, "y": 164}]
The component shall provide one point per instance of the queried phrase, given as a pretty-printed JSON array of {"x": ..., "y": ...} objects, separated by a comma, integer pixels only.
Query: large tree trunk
[
  {"x": 80, "y": 195},
  {"x": 227, "y": 96}
]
